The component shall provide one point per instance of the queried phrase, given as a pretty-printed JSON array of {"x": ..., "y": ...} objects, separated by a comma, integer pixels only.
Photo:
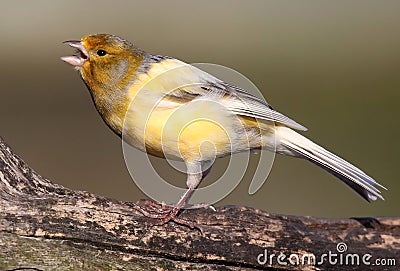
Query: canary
[{"x": 150, "y": 98}]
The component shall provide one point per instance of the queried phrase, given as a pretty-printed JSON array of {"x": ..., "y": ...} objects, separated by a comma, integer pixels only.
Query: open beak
[{"x": 79, "y": 57}]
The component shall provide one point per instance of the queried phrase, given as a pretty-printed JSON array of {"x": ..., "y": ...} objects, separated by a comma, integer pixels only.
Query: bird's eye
[{"x": 101, "y": 53}]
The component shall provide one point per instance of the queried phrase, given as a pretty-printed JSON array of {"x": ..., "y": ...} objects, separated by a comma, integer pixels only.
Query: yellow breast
[{"x": 201, "y": 129}]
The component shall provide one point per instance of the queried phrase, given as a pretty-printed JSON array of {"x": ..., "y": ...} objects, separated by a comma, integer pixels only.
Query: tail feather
[{"x": 295, "y": 144}]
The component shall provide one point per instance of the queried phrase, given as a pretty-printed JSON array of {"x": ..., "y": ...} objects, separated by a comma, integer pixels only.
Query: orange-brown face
[
  {"x": 104, "y": 60},
  {"x": 107, "y": 64}
]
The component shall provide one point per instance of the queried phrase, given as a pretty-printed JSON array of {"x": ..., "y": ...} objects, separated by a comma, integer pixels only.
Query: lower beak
[{"x": 81, "y": 55}]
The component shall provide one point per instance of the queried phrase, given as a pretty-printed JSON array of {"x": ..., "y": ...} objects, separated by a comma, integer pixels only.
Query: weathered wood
[{"x": 45, "y": 226}]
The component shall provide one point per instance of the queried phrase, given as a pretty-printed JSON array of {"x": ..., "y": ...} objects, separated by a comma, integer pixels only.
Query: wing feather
[{"x": 235, "y": 99}]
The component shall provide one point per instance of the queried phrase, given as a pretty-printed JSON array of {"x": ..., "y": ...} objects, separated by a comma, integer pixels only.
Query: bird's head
[{"x": 104, "y": 61}]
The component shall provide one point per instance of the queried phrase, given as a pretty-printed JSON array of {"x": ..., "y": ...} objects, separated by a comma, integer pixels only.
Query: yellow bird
[{"x": 159, "y": 104}]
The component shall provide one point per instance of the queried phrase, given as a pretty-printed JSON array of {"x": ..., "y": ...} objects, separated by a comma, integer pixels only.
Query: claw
[{"x": 164, "y": 214}]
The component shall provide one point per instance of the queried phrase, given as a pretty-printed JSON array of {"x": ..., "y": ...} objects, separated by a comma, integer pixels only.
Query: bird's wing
[{"x": 235, "y": 99}]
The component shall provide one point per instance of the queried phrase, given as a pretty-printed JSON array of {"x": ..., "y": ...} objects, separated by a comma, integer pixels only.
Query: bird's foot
[
  {"x": 157, "y": 206},
  {"x": 163, "y": 213}
]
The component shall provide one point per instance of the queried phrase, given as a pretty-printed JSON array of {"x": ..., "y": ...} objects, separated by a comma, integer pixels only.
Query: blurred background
[{"x": 331, "y": 65}]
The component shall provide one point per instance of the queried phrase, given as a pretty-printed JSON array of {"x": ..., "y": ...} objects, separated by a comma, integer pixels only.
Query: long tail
[{"x": 291, "y": 143}]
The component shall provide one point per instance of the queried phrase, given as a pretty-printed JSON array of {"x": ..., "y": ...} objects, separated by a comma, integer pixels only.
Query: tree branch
[{"x": 44, "y": 226}]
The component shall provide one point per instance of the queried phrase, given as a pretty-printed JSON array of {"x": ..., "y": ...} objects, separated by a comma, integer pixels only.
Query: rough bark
[{"x": 44, "y": 226}]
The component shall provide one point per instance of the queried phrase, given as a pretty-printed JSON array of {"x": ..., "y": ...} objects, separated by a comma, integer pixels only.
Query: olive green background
[{"x": 331, "y": 65}]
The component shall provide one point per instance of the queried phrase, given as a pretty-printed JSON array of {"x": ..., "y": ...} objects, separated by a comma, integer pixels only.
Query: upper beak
[{"x": 81, "y": 55}]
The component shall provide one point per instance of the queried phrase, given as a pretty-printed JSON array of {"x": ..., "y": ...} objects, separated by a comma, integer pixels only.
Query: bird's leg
[
  {"x": 206, "y": 168},
  {"x": 194, "y": 177},
  {"x": 167, "y": 213}
]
